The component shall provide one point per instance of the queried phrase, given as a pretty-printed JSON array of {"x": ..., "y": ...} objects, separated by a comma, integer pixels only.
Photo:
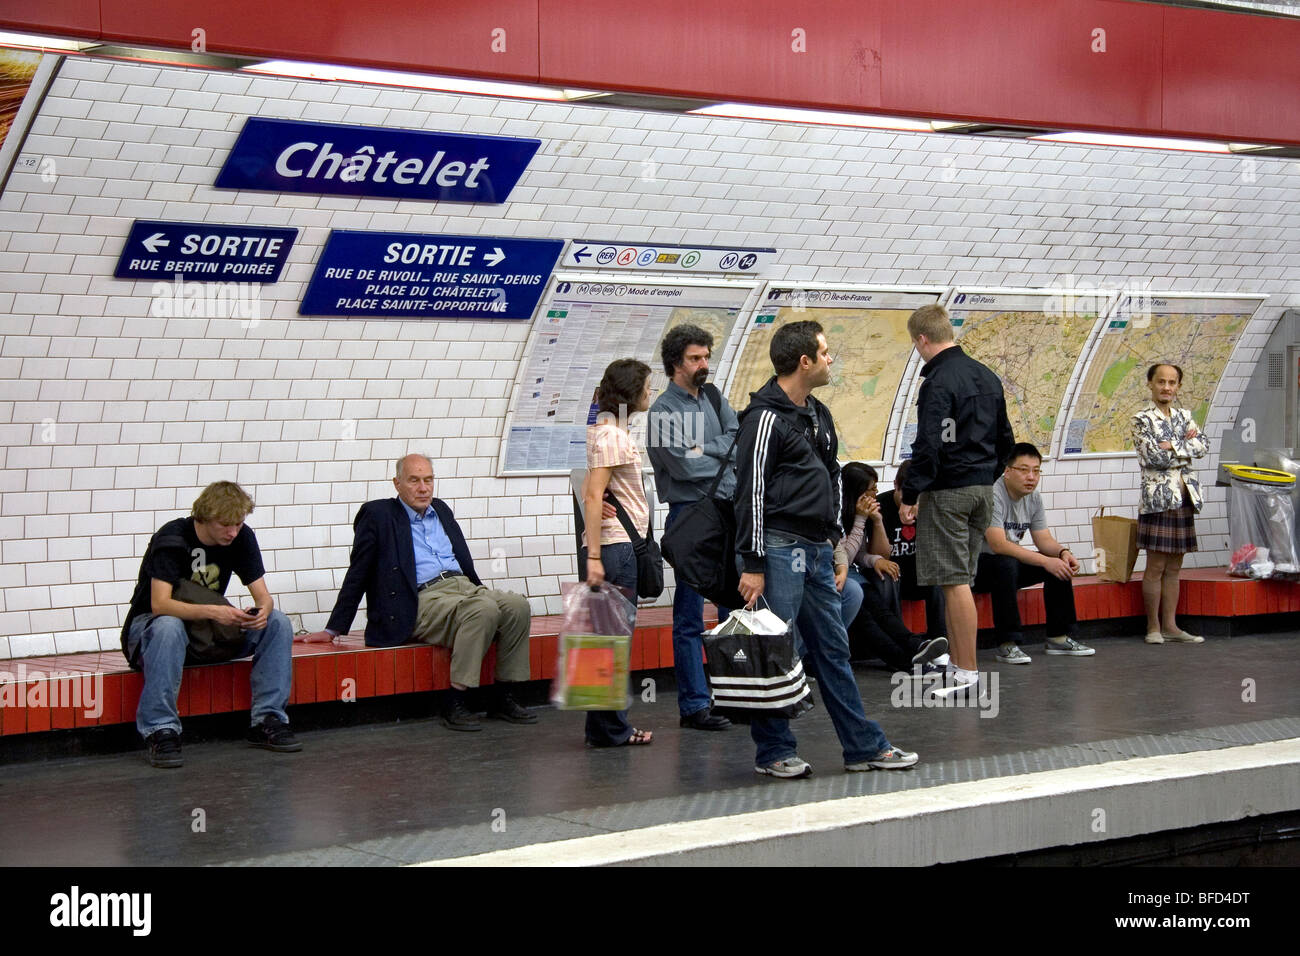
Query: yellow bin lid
[{"x": 1262, "y": 476}]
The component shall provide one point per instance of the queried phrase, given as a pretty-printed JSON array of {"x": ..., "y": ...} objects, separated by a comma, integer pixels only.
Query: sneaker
[
  {"x": 1012, "y": 654},
  {"x": 1070, "y": 648},
  {"x": 929, "y": 650},
  {"x": 891, "y": 759},
  {"x": 954, "y": 685},
  {"x": 273, "y": 734},
  {"x": 456, "y": 716},
  {"x": 164, "y": 749},
  {"x": 1182, "y": 637},
  {"x": 790, "y": 768}
]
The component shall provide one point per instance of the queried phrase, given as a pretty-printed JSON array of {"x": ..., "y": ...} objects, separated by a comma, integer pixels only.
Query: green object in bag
[{"x": 592, "y": 672}]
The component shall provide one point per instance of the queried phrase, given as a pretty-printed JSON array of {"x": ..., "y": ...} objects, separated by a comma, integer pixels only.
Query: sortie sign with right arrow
[{"x": 430, "y": 276}]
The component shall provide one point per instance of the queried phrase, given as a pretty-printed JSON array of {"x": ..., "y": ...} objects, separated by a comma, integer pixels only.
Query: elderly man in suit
[{"x": 410, "y": 560}]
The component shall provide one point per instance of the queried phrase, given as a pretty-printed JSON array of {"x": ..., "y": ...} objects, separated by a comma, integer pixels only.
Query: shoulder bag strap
[
  {"x": 715, "y": 399},
  {"x": 626, "y": 521}
]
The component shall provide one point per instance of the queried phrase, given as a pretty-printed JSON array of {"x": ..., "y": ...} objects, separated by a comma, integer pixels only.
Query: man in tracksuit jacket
[{"x": 787, "y": 516}]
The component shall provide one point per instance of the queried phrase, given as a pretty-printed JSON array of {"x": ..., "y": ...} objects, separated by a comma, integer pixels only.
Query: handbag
[
  {"x": 701, "y": 547},
  {"x": 210, "y": 642},
  {"x": 755, "y": 674},
  {"x": 649, "y": 559}
]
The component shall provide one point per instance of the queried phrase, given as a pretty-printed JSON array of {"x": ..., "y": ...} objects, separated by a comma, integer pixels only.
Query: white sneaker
[
  {"x": 954, "y": 684},
  {"x": 789, "y": 768},
  {"x": 892, "y": 759}
]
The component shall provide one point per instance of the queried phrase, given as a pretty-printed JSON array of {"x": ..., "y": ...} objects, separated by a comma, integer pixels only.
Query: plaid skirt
[{"x": 1172, "y": 531}]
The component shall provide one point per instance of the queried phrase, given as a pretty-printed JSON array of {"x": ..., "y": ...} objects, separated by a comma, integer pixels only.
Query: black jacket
[
  {"x": 382, "y": 567},
  {"x": 963, "y": 437},
  {"x": 787, "y": 478}
]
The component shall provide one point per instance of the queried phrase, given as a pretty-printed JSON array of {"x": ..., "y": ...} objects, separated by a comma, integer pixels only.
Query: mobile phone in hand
[{"x": 252, "y": 611}]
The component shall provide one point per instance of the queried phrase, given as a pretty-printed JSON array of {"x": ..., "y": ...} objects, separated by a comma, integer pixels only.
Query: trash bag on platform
[{"x": 1261, "y": 525}]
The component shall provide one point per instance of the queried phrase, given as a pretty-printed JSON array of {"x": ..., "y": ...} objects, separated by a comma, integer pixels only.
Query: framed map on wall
[
  {"x": 1195, "y": 331},
  {"x": 1033, "y": 339},
  {"x": 866, "y": 329}
]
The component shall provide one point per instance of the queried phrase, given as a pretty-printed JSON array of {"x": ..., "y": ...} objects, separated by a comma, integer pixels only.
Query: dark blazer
[{"x": 382, "y": 568}]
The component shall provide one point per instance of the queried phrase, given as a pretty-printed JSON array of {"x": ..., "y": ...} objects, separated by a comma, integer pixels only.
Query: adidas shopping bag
[{"x": 752, "y": 667}]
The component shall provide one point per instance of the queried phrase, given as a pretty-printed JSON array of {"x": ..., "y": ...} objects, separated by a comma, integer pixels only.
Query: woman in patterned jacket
[{"x": 1166, "y": 439}]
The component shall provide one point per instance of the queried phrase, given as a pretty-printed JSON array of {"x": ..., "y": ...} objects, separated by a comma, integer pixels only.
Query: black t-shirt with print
[
  {"x": 901, "y": 537},
  {"x": 175, "y": 553}
]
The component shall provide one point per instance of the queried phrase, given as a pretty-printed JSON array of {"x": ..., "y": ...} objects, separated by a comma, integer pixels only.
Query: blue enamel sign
[
  {"x": 294, "y": 156},
  {"x": 430, "y": 276},
  {"x": 204, "y": 252}
]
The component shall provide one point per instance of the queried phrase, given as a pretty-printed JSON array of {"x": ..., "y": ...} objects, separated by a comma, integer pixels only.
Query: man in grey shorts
[{"x": 962, "y": 438}]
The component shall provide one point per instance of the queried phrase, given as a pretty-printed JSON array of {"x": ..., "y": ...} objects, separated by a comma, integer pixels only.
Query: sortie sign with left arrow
[{"x": 204, "y": 252}]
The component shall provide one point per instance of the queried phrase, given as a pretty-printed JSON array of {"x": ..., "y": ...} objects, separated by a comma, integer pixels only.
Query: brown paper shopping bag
[{"x": 1114, "y": 541}]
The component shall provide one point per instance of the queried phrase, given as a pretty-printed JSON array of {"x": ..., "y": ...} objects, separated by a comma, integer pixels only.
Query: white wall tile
[{"x": 150, "y": 409}]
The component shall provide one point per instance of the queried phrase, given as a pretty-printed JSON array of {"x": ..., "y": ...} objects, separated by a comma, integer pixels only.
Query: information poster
[
  {"x": 1033, "y": 341},
  {"x": 1197, "y": 333},
  {"x": 866, "y": 330},
  {"x": 583, "y": 327}
]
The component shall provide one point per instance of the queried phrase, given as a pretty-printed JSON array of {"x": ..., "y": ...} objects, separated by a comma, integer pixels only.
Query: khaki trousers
[{"x": 466, "y": 617}]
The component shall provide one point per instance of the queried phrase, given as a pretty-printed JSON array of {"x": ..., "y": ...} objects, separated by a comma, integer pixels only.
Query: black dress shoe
[
  {"x": 705, "y": 720},
  {"x": 455, "y": 715},
  {"x": 507, "y": 708}
]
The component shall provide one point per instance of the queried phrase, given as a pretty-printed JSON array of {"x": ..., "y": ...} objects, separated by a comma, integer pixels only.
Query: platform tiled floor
[{"x": 391, "y": 793}]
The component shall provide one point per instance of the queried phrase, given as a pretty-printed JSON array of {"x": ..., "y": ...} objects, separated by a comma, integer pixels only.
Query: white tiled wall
[{"x": 112, "y": 419}]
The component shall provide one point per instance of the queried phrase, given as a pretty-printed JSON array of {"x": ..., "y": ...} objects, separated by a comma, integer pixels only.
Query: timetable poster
[{"x": 583, "y": 327}]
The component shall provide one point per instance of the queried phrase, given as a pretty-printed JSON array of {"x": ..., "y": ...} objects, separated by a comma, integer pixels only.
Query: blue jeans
[
  {"x": 688, "y": 642},
  {"x": 851, "y": 597},
  {"x": 799, "y": 586},
  {"x": 162, "y": 655},
  {"x": 609, "y": 728}
]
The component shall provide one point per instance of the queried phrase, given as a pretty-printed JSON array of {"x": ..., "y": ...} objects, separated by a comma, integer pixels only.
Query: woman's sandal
[{"x": 638, "y": 738}]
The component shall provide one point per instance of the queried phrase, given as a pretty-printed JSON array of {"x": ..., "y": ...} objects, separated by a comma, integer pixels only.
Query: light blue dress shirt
[{"x": 433, "y": 553}]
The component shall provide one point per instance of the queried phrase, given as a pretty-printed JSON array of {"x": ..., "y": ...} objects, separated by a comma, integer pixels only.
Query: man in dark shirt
[
  {"x": 962, "y": 438},
  {"x": 206, "y": 548},
  {"x": 688, "y": 443}
]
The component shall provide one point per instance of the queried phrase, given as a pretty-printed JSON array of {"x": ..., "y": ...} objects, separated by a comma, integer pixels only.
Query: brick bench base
[{"x": 347, "y": 669}]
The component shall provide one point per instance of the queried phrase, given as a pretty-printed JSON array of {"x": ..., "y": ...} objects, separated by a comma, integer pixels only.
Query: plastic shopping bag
[{"x": 595, "y": 647}]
